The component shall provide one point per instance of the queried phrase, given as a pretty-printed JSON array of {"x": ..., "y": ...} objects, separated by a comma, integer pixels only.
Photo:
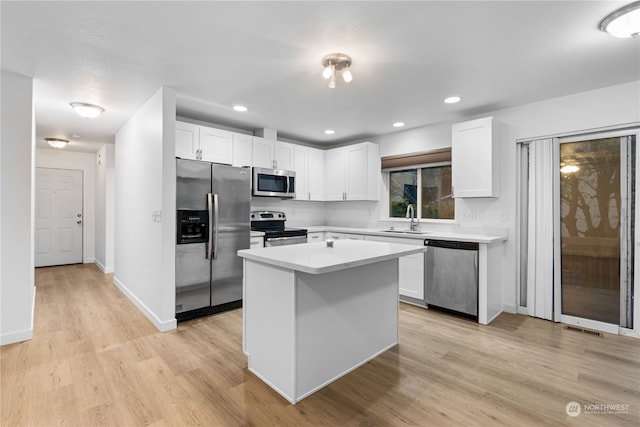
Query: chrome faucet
[{"x": 410, "y": 214}]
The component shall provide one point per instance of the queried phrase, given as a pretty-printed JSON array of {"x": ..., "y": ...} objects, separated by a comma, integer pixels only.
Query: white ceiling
[{"x": 407, "y": 57}]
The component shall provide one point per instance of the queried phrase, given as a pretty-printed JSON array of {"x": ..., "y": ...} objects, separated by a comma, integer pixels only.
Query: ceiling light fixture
[
  {"x": 333, "y": 63},
  {"x": 569, "y": 169},
  {"x": 452, "y": 99},
  {"x": 624, "y": 22},
  {"x": 87, "y": 110},
  {"x": 240, "y": 108},
  {"x": 329, "y": 132},
  {"x": 398, "y": 124},
  {"x": 57, "y": 142}
]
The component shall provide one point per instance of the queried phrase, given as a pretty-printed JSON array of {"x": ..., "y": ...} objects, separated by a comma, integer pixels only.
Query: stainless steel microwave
[{"x": 274, "y": 183}]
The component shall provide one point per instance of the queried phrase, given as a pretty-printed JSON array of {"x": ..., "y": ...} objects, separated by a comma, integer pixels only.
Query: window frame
[{"x": 418, "y": 211}]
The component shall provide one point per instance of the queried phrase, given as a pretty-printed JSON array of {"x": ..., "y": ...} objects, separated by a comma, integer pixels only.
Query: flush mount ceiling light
[
  {"x": 329, "y": 132},
  {"x": 333, "y": 63},
  {"x": 398, "y": 124},
  {"x": 452, "y": 100},
  {"x": 624, "y": 22},
  {"x": 569, "y": 169},
  {"x": 57, "y": 142},
  {"x": 87, "y": 110},
  {"x": 240, "y": 108}
]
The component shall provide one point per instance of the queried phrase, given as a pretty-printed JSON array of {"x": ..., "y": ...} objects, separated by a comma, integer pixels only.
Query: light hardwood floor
[{"x": 96, "y": 361}]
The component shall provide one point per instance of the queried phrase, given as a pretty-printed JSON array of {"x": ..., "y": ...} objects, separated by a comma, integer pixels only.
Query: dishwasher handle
[{"x": 449, "y": 244}]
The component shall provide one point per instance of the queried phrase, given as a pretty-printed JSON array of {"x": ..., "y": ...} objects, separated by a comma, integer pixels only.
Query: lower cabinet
[
  {"x": 411, "y": 268},
  {"x": 315, "y": 236},
  {"x": 256, "y": 242},
  {"x": 338, "y": 236}
]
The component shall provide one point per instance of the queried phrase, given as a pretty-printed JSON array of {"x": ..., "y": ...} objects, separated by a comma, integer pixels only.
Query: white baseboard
[
  {"x": 162, "y": 326},
  {"x": 105, "y": 270},
  {"x": 24, "y": 335},
  {"x": 89, "y": 261},
  {"x": 509, "y": 308}
]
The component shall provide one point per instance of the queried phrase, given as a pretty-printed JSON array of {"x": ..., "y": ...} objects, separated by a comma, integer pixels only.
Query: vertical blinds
[{"x": 415, "y": 159}]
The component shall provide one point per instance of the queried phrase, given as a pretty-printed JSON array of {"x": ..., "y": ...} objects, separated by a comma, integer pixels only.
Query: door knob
[{"x": 79, "y": 221}]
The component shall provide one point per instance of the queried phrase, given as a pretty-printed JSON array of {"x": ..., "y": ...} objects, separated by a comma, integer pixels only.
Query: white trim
[
  {"x": 523, "y": 310},
  {"x": 510, "y": 308},
  {"x": 103, "y": 268},
  {"x": 24, "y": 335},
  {"x": 162, "y": 326},
  {"x": 89, "y": 261},
  {"x": 583, "y": 133},
  {"x": 629, "y": 332}
]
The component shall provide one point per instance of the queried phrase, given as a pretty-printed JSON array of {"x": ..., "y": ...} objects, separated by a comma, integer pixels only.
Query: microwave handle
[{"x": 288, "y": 184}]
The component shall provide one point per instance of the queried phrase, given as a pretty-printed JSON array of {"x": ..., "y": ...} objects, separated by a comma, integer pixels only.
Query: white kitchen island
[{"x": 312, "y": 313}]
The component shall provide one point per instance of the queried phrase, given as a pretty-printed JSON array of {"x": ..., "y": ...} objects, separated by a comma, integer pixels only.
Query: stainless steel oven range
[{"x": 275, "y": 233}]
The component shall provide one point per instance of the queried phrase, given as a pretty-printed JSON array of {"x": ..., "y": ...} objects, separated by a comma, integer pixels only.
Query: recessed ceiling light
[
  {"x": 329, "y": 131},
  {"x": 452, "y": 100},
  {"x": 240, "y": 108},
  {"x": 87, "y": 110},
  {"x": 57, "y": 142},
  {"x": 75, "y": 135},
  {"x": 398, "y": 124}
]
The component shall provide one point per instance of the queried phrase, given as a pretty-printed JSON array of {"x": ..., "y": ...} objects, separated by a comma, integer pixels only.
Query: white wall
[
  {"x": 105, "y": 209},
  {"x": 610, "y": 106},
  {"x": 86, "y": 162},
  {"x": 144, "y": 182},
  {"x": 17, "y": 291}
]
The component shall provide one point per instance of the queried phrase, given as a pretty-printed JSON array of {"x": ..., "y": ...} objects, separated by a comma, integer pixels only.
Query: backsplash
[{"x": 299, "y": 213}]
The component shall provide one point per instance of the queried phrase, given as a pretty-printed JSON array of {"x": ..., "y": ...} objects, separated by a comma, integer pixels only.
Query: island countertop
[{"x": 317, "y": 258}]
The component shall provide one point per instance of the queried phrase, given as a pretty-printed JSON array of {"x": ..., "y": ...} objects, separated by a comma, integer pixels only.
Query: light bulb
[
  {"x": 346, "y": 75},
  {"x": 332, "y": 81},
  {"x": 328, "y": 71}
]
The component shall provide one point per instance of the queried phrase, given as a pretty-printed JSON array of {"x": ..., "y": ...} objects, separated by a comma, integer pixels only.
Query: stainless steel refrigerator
[{"x": 213, "y": 208}]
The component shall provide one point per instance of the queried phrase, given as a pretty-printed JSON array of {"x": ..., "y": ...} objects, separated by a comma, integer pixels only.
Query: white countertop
[
  {"x": 317, "y": 258},
  {"x": 438, "y": 235}
]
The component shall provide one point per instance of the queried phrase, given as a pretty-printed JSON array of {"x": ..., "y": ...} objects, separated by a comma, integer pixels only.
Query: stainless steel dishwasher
[{"x": 451, "y": 277}]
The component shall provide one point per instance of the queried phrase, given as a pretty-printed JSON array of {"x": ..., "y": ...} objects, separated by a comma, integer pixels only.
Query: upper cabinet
[
  {"x": 187, "y": 140},
  {"x": 352, "y": 172},
  {"x": 209, "y": 144},
  {"x": 216, "y": 145},
  {"x": 272, "y": 154},
  {"x": 309, "y": 168},
  {"x": 475, "y": 159},
  {"x": 242, "y": 150}
]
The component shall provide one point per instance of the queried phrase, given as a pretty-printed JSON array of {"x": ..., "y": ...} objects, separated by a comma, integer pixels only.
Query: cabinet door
[
  {"x": 242, "y": 149},
  {"x": 187, "y": 137},
  {"x": 334, "y": 236},
  {"x": 316, "y": 236},
  {"x": 283, "y": 155},
  {"x": 351, "y": 236},
  {"x": 335, "y": 170},
  {"x": 356, "y": 185},
  {"x": 411, "y": 276},
  {"x": 263, "y": 150},
  {"x": 216, "y": 145},
  {"x": 315, "y": 174},
  {"x": 256, "y": 242},
  {"x": 301, "y": 168},
  {"x": 473, "y": 159}
]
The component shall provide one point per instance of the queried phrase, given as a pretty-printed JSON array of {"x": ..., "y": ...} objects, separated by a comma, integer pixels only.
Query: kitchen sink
[{"x": 406, "y": 231}]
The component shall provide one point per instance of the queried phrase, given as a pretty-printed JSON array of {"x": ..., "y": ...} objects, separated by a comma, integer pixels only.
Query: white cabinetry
[
  {"x": 242, "y": 150},
  {"x": 344, "y": 236},
  {"x": 256, "y": 242},
  {"x": 411, "y": 268},
  {"x": 315, "y": 236},
  {"x": 187, "y": 140},
  {"x": 309, "y": 168},
  {"x": 272, "y": 154},
  {"x": 475, "y": 158},
  {"x": 352, "y": 172},
  {"x": 209, "y": 144}
]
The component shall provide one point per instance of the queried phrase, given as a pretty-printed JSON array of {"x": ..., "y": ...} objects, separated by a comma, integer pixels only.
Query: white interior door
[{"x": 58, "y": 218}]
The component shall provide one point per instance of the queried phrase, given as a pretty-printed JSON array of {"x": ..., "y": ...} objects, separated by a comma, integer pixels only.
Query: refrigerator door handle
[
  {"x": 208, "y": 247},
  {"x": 214, "y": 253}
]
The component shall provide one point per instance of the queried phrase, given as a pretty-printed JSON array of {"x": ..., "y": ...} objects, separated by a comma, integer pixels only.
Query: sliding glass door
[{"x": 594, "y": 232}]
